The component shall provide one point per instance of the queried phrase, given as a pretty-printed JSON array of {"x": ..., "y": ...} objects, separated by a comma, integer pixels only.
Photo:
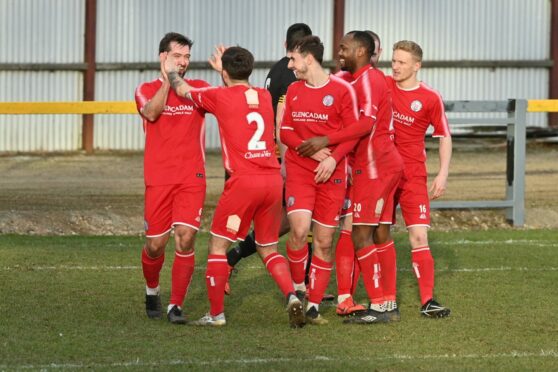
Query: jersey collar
[{"x": 361, "y": 71}]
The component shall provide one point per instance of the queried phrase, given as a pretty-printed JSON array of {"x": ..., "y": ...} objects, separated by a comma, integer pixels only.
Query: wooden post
[
  {"x": 553, "y": 78},
  {"x": 338, "y": 27},
  {"x": 89, "y": 74}
]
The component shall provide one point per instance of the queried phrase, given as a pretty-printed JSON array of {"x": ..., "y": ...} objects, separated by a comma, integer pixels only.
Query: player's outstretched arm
[
  {"x": 215, "y": 60},
  {"x": 439, "y": 184}
]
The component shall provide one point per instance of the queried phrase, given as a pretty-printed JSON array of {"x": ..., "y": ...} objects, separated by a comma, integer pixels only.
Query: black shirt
[{"x": 278, "y": 80}]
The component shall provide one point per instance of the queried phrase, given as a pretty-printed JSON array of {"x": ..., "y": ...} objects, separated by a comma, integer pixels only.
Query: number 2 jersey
[{"x": 245, "y": 118}]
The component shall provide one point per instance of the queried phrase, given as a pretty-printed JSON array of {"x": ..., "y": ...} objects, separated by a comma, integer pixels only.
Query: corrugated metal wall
[
  {"x": 51, "y": 31},
  {"x": 39, "y": 31},
  {"x": 130, "y": 31},
  {"x": 467, "y": 30}
]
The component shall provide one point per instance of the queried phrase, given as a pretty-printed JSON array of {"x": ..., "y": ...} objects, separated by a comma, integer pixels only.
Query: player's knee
[
  {"x": 184, "y": 240},
  {"x": 418, "y": 237},
  {"x": 299, "y": 236},
  {"x": 362, "y": 236},
  {"x": 155, "y": 247},
  {"x": 382, "y": 234}
]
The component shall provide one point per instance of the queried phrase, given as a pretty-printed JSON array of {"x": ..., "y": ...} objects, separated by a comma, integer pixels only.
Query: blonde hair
[{"x": 410, "y": 47}]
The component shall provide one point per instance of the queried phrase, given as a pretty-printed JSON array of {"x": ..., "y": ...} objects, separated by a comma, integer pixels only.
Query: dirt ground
[{"x": 102, "y": 194}]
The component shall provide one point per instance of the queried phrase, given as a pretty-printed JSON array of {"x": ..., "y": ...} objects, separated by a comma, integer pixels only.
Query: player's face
[
  {"x": 404, "y": 66},
  {"x": 298, "y": 64},
  {"x": 347, "y": 54},
  {"x": 181, "y": 56}
]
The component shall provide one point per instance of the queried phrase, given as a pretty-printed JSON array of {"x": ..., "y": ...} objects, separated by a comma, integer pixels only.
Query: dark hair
[
  {"x": 295, "y": 32},
  {"x": 375, "y": 36},
  {"x": 310, "y": 44},
  {"x": 365, "y": 40},
  {"x": 164, "y": 44},
  {"x": 238, "y": 62}
]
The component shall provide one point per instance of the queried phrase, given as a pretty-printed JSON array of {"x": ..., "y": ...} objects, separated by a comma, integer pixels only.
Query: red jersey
[
  {"x": 317, "y": 111},
  {"x": 414, "y": 110},
  {"x": 246, "y": 126},
  {"x": 175, "y": 142},
  {"x": 376, "y": 152}
]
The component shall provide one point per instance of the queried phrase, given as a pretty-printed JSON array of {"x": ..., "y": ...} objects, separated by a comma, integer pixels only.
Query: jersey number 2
[{"x": 255, "y": 143}]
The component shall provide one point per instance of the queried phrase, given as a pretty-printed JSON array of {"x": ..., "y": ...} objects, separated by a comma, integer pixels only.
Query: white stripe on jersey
[
  {"x": 443, "y": 118},
  {"x": 351, "y": 91}
]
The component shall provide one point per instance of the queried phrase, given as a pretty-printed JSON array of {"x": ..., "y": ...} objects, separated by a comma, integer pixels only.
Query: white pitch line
[
  {"x": 536, "y": 243},
  {"x": 258, "y": 267},
  {"x": 254, "y": 361}
]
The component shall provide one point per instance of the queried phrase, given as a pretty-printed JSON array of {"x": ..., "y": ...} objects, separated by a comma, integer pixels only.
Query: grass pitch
[{"x": 77, "y": 302}]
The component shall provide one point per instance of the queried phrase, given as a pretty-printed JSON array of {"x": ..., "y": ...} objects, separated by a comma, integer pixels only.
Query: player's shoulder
[
  {"x": 340, "y": 85},
  {"x": 197, "y": 83},
  {"x": 155, "y": 83},
  {"x": 296, "y": 86},
  {"x": 427, "y": 91}
]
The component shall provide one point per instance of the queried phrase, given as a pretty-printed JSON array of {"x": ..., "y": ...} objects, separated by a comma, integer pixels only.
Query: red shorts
[
  {"x": 374, "y": 198},
  {"x": 323, "y": 201},
  {"x": 248, "y": 198},
  {"x": 170, "y": 205},
  {"x": 412, "y": 196},
  {"x": 347, "y": 208}
]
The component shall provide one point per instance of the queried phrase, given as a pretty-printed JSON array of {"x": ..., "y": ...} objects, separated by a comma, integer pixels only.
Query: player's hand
[
  {"x": 215, "y": 59},
  {"x": 438, "y": 186},
  {"x": 168, "y": 64},
  {"x": 321, "y": 155},
  {"x": 162, "y": 59},
  {"x": 312, "y": 145},
  {"x": 325, "y": 169}
]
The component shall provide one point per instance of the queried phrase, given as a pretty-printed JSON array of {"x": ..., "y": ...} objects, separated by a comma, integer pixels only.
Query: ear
[{"x": 226, "y": 78}]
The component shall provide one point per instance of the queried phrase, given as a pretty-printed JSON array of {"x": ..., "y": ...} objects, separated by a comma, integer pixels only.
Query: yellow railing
[
  {"x": 80, "y": 108},
  {"x": 129, "y": 107},
  {"x": 542, "y": 105}
]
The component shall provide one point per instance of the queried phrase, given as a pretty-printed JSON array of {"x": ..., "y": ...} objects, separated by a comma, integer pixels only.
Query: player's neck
[
  {"x": 232, "y": 83},
  {"x": 317, "y": 77},
  {"x": 409, "y": 83}
]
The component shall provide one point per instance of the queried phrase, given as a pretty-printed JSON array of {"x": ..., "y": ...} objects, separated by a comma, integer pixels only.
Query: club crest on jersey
[
  {"x": 416, "y": 105},
  {"x": 290, "y": 201},
  {"x": 328, "y": 100}
]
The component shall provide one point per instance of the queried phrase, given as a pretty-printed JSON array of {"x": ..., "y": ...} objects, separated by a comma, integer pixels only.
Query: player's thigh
[
  {"x": 414, "y": 202},
  {"x": 158, "y": 210},
  {"x": 374, "y": 199},
  {"x": 268, "y": 212},
  {"x": 300, "y": 190},
  {"x": 232, "y": 206},
  {"x": 329, "y": 201},
  {"x": 188, "y": 203}
]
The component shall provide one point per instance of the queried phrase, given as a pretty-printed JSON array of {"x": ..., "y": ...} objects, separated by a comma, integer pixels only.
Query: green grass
[{"x": 77, "y": 302}]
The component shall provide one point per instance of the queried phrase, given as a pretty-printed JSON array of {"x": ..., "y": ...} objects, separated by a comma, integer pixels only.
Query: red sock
[
  {"x": 388, "y": 263},
  {"x": 356, "y": 276},
  {"x": 423, "y": 265},
  {"x": 182, "y": 270},
  {"x": 297, "y": 263},
  {"x": 151, "y": 268},
  {"x": 279, "y": 269},
  {"x": 370, "y": 269},
  {"x": 344, "y": 262},
  {"x": 216, "y": 276},
  {"x": 320, "y": 273}
]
